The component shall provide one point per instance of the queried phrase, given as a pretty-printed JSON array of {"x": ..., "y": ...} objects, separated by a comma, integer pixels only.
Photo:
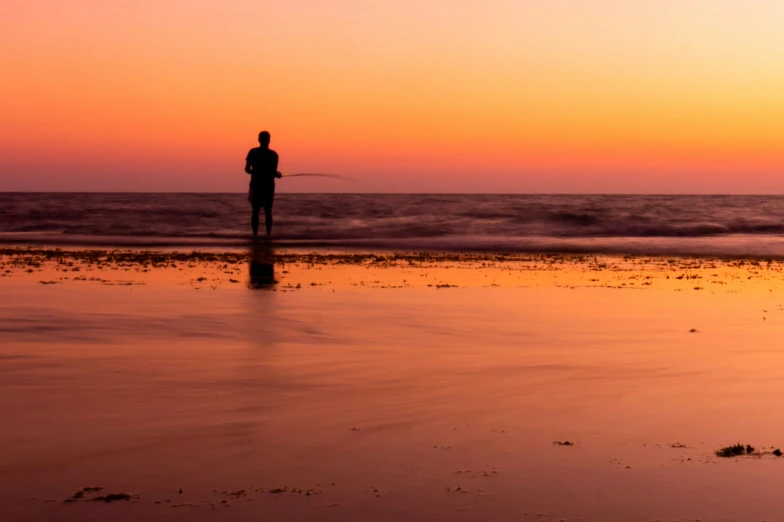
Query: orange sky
[{"x": 407, "y": 96}]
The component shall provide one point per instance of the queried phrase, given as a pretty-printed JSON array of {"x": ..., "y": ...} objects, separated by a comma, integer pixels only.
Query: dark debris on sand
[
  {"x": 563, "y": 443},
  {"x": 737, "y": 450},
  {"x": 84, "y": 494},
  {"x": 112, "y": 497},
  {"x": 734, "y": 451}
]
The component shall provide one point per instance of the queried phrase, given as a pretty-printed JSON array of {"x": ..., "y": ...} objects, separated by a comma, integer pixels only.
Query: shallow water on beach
[{"x": 387, "y": 403}]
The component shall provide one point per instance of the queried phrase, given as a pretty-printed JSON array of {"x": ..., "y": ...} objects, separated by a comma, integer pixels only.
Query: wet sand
[{"x": 272, "y": 385}]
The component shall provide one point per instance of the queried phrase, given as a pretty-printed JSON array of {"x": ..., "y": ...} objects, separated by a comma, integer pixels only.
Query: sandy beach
[{"x": 284, "y": 385}]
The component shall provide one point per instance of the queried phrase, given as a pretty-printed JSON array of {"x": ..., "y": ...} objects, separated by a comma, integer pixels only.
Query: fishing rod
[{"x": 316, "y": 174}]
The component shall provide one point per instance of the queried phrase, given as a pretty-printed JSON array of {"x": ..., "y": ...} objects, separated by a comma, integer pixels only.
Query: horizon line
[{"x": 749, "y": 194}]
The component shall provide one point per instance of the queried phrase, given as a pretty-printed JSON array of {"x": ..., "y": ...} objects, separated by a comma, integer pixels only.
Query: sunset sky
[{"x": 664, "y": 96}]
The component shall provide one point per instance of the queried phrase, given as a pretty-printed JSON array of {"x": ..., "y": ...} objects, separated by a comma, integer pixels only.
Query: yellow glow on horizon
[{"x": 667, "y": 92}]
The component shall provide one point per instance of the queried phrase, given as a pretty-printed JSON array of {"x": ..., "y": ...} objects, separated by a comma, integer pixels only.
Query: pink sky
[{"x": 440, "y": 96}]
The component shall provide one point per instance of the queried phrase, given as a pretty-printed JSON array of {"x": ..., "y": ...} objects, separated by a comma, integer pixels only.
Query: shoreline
[
  {"x": 144, "y": 253},
  {"x": 267, "y": 267},
  {"x": 725, "y": 246}
]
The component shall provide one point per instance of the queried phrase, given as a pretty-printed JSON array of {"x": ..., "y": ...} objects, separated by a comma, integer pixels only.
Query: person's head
[{"x": 264, "y": 138}]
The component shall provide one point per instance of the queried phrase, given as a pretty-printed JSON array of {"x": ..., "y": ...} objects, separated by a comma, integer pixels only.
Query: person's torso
[{"x": 264, "y": 166}]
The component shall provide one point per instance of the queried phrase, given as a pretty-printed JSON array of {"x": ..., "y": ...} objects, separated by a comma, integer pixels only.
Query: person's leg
[
  {"x": 254, "y": 220},
  {"x": 269, "y": 198},
  {"x": 268, "y": 218}
]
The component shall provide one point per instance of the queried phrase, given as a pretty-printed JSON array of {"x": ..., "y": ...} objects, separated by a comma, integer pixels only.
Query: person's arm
[
  {"x": 248, "y": 166},
  {"x": 278, "y": 174}
]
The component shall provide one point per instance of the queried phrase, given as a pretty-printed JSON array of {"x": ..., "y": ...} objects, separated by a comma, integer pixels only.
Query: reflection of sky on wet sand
[{"x": 412, "y": 391}]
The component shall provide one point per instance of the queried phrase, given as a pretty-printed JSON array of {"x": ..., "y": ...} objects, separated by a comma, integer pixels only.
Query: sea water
[{"x": 707, "y": 225}]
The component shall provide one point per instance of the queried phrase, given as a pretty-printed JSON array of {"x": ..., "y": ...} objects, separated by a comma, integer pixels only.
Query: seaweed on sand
[
  {"x": 731, "y": 451},
  {"x": 112, "y": 497}
]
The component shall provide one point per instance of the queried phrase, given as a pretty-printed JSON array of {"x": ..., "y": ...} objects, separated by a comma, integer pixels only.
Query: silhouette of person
[
  {"x": 262, "y": 165},
  {"x": 261, "y": 268}
]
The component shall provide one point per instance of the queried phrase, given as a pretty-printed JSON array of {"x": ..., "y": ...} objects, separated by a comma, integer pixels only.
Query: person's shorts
[{"x": 261, "y": 197}]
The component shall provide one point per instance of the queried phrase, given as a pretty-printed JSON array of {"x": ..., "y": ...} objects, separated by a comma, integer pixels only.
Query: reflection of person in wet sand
[
  {"x": 261, "y": 268},
  {"x": 262, "y": 165}
]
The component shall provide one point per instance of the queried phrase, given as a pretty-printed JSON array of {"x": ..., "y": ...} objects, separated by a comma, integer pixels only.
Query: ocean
[{"x": 634, "y": 224}]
